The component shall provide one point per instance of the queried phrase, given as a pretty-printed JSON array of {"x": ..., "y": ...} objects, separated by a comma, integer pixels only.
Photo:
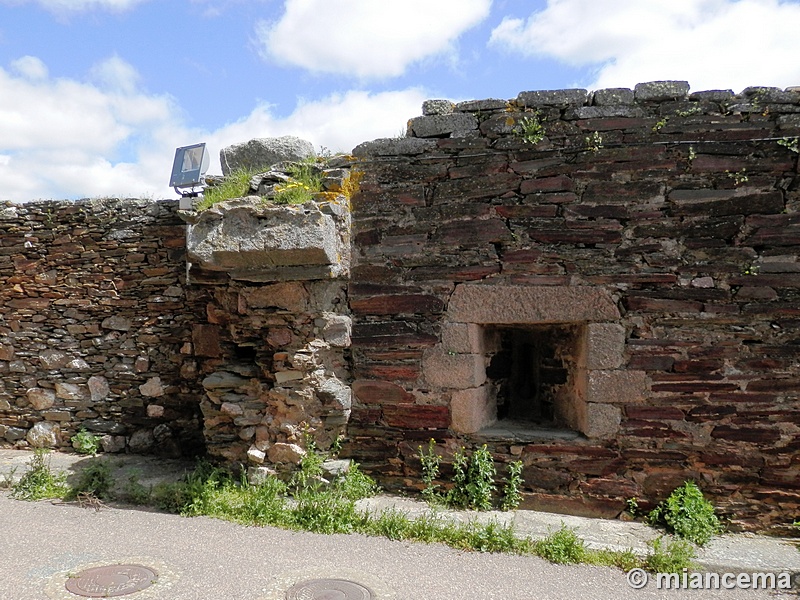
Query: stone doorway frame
[{"x": 602, "y": 385}]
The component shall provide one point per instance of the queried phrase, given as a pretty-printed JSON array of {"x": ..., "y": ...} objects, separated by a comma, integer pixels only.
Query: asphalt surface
[{"x": 43, "y": 544}]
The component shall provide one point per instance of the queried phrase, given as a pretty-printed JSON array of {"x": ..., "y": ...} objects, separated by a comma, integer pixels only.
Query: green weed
[
  {"x": 430, "y": 471},
  {"x": 687, "y": 514},
  {"x": 306, "y": 181},
  {"x": 530, "y": 129},
  {"x": 95, "y": 480},
  {"x": 793, "y": 144},
  {"x": 39, "y": 482},
  {"x": 669, "y": 557},
  {"x": 135, "y": 493},
  {"x": 85, "y": 443},
  {"x": 513, "y": 484},
  {"x": 594, "y": 142},
  {"x": 562, "y": 547},
  {"x": 235, "y": 185}
]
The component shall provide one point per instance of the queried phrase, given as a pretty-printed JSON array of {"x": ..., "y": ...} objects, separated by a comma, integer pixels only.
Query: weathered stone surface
[
  {"x": 657, "y": 91},
  {"x": 455, "y": 124},
  {"x": 53, "y": 359},
  {"x": 223, "y": 380},
  {"x": 502, "y": 304},
  {"x": 605, "y": 345},
  {"x": 289, "y": 296},
  {"x": 613, "y": 96},
  {"x": 244, "y": 237},
  {"x": 285, "y": 453},
  {"x": 335, "y": 329},
  {"x": 152, "y": 388},
  {"x": 416, "y": 416},
  {"x": 6, "y": 352},
  {"x": 617, "y": 387},
  {"x": 44, "y": 435},
  {"x": 113, "y": 443},
  {"x": 98, "y": 388},
  {"x": 141, "y": 441},
  {"x": 602, "y": 420},
  {"x": 380, "y": 392},
  {"x": 205, "y": 340},
  {"x": 552, "y": 97},
  {"x": 117, "y": 323},
  {"x": 155, "y": 411},
  {"x": 41, "y": 399},
  {"x": 463, "y": 338},
  {"x": 104, "y": 426},
  {"x": 393, "y": 147},
  {"x": 454, "y": 371},
  {"x": 472, "y": 409},
  {"x": 72, "y": 391},
  {"x": 437, "y": 107},
  {"x": 261, "y": 153},
  {"x": 254, "y": 455}
]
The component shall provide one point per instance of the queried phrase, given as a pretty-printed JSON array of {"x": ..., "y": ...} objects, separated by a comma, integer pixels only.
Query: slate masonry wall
[{"x": 603, "y": 285}]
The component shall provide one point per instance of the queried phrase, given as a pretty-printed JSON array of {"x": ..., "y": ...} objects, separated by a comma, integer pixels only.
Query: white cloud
[
  {"x": 366, "y": 38},
  {"x": 61, "y": 138},
  {"x": 710, "y": 43},
  {"x": 30, "y": 67},
  {"x": 68, "y": 6}
]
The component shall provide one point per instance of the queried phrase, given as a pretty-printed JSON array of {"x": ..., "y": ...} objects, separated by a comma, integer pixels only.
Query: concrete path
[{"x": 42, "y": 544}]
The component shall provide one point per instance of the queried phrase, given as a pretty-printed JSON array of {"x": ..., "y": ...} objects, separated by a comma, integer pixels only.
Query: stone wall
[
  {"x": 95, "y": 326},
  {"x": 602, "y": 285},
  {"x": 656, "y": 229}
]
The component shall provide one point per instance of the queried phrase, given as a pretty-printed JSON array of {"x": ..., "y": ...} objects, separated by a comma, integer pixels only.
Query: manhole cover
[
  {"x": 329, "y": 589},
  {"x": 107, "y": 582}
]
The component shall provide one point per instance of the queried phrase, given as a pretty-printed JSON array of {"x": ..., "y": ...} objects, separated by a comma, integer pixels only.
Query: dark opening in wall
[
  {"x": 532, "y": 372},
  {"x": 245, "y": 353}
]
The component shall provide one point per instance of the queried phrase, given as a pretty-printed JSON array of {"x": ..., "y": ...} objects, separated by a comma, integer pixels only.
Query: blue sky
[{"x": 96, "y": 94}]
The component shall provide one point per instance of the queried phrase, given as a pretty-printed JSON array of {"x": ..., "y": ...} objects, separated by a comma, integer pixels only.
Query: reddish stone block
[
  {"x": 560, "y": 183},
  {"x": 205, "y": 339},
  {"x": 472, "y": 188},
  {"x": 380, "y": 392},
  {"x": 646, "y": 304},
  {"x": 773, "y": 385},
  {"x": 651, "y": 363},
  {"x": 710, "y": 412},
  {"x": 545, "y": 479},
  {"x": 390, "y": 334},
  {"x": 524, "y": 211},
  {"x": 364, "y": 416},
  {"x": 455, "y": 274},
  {"x": 611, "y": 488},
  {"x": 575, "y": 236},
  {"x": 725, "y": 459},
  {"x": 473, "y": 232},
  {"x": 29, "y": 303},
  {"x": 698, "y": 366},
  {"x": 761, "y": 435},
  {"x": 416, "y": 416},
  {"x": 409, "y": 372},
  {"x": 658, "y": 413},
  {"x": 397, "y": 304}
]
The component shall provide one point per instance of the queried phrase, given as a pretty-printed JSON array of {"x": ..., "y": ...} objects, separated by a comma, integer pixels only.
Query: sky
[{"x": 95, "y": 95}]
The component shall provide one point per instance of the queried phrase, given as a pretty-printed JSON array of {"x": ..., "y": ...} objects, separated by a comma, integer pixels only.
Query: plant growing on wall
[
  {"x": 530, "y": 129},
  {"x": 687, "y": 514}
]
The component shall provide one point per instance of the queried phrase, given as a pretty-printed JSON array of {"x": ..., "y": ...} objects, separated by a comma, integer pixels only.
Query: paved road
[{"x": 42, "y": 543}]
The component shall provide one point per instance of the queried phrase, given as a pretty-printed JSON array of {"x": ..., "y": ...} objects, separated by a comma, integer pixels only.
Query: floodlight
[{"x": 189, "y": 169}]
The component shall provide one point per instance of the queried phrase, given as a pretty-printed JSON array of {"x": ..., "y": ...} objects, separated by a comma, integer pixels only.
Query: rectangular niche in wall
[
  {"x": 533, "y": 373},
  {"x": 532, "y": 358}
]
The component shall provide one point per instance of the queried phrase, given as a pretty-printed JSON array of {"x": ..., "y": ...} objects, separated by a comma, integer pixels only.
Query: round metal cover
[
  {"x": 329, "y": 589},
  {"x": 114, "y": 580}
]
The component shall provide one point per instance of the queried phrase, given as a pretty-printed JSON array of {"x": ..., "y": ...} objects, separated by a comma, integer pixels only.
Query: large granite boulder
[{"x": 261, "y": 153}]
